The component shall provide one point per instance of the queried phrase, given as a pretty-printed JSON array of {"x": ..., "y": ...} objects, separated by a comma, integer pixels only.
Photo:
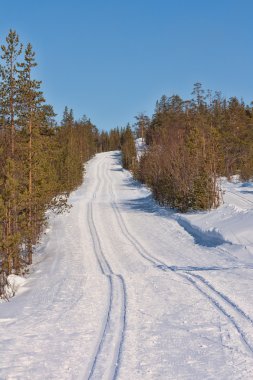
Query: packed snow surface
[{"x": 122, "y": 288}]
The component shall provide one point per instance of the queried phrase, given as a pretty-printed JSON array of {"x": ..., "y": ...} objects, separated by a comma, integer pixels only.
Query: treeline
[
  {"x": 119, "y": 139},
  {"x": 191, "y": 144},
  {"x": 40, "y": 162},
  {"x": 110, "y": 140}
]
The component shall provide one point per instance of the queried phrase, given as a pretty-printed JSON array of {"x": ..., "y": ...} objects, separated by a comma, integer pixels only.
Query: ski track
[
  {"x": 223, "y": 308},
  {"x": 116, "y": 310},
  {"x": 108, "y": 352},
  {"x": 138, "y": 246},
  {"x": 212, "y": 293},
  {"x": 241, "y": 197}
]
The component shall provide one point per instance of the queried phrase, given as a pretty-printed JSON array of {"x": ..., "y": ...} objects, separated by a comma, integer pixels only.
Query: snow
[
  {"x": 14, "y": 282},
  {"x": 122, "y": 288},
  {"x": 140, "y": 146}
]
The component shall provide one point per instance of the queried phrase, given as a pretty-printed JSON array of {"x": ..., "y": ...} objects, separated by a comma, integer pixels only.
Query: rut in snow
[{"x": 111, "y": 336}]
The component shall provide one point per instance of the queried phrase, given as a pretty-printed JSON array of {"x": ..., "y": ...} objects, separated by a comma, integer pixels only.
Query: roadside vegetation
[
  {"x": 190, "y": 145},
  {"x": 40, "y": 162}
]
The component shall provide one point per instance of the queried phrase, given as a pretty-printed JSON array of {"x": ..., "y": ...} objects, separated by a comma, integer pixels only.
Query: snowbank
[
  {"x": 231, "y": 223},
  {"x": 14, "y": 283}
]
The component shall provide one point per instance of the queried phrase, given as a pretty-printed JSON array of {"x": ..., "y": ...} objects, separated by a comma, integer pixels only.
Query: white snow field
[{"x": 125, "y": 289}]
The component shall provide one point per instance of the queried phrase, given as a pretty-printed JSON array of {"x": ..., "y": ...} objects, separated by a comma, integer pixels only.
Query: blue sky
[{"x": 113, "y": 59}]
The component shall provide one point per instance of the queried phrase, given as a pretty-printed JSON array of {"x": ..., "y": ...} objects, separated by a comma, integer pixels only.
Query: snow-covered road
[{"x": 125, "y": 289}]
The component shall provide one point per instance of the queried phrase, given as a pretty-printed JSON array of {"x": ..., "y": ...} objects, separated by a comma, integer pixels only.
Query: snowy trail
[
  {"x": 112, "y": 334},
  {"x": 124, "y": 289}
]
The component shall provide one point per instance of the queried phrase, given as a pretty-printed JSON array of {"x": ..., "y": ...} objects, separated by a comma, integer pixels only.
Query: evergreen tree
[
  {"x": 10, "y": 196},
  {"x": 40, "y": 163},
  {"x": 30, "y": 103},
  {"x": 128, "y": 149},
  {"x": 9, "y": 87}
]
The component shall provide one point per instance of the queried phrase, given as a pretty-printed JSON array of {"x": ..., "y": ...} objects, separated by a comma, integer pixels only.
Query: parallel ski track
[
  {"x": 139, "y": 248},
  {"x": 222, "y": 304},
  {"x": 245, "y": 200},
  {"x": 213, "y": 296},
  {"x": 114, "y": 280}
]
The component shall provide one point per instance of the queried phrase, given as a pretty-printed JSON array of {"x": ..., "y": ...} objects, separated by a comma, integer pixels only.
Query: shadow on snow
[{"x": 147, "y": 204}]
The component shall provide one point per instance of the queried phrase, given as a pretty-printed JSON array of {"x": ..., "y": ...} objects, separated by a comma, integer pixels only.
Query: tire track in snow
[
  {"x": 210, "y": 295},
  {"x": 106, "y": 359}
]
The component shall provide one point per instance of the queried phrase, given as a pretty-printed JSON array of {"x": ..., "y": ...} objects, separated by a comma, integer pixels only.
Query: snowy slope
[{"x": 125, "y": 289}]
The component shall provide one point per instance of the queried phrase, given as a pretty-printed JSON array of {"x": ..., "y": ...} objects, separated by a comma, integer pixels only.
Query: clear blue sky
[{"x": 112, "y": 59}]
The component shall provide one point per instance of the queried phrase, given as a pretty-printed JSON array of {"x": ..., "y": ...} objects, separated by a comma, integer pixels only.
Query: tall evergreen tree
[
  {"x": 9, "y": 186},
  {"x": 128, "y": 148},
  {"x": 30, "y": 105},
  {"x": 9, "y": 86}
]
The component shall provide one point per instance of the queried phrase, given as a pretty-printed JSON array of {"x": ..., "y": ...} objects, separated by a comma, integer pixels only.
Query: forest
[
  {"x": 40, "y": 162},
  {"x": 191, "y": 144}
]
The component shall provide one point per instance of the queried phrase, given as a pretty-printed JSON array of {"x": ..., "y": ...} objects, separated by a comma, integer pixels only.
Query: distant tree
[
  {"x": 141, "y": 125},
  {"x": 128, "y": 148},
  {"x": 199, "y": 95}
]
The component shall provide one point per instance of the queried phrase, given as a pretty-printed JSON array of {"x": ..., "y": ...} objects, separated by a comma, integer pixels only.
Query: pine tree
[
  {"x": 9, "y": 86},
  {"x": 9, "y": 185},
  {"x": 128, "y": 149},
  {"x": 40, "y": 163},
  {"x": 30, "y": 103}
]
